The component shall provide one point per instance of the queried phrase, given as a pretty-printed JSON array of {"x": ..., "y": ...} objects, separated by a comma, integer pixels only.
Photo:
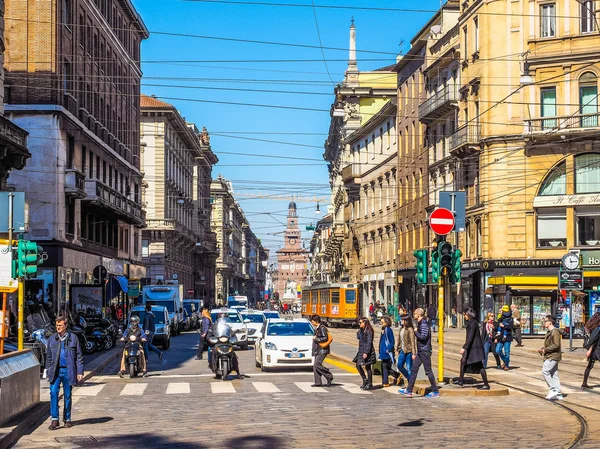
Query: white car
[
  {"x": 236, "y": 322},
  {"x": 285, "y": 342},
  {"x": 254, "y": 320}
]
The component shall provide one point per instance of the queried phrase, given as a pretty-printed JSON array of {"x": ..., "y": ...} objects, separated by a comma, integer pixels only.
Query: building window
[
  {"x": 468, "y": 240},
  {"x": 556, "y": 182},
  {"x": 587, "y": 173},
  {"x": 588, "y": 226},
  {"x": 476, "y": 41},
  {"x": 588, "y": 16},
  {"x": 548, "y": 107},
  {"x": 381, "y": 141},
  {"x": 548, "y": 20},
  {"x": 70, "y": 151},
  {"x": 466, "y": 39},
  {"x": 479, "y": 238},
  {"x": 551, "y": 227},
  {"x": 67, "y": 76},
  {"x": 588, "y": 100},
  {"x": 67, "y": 9},
  {"x": 70, "y": 218}
]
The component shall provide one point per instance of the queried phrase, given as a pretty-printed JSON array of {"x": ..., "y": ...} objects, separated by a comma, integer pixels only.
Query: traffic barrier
[{"x": 19, "y": 383}]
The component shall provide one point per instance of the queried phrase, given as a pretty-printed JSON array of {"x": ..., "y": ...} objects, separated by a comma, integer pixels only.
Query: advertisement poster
[{"x": 86, "y": 299}]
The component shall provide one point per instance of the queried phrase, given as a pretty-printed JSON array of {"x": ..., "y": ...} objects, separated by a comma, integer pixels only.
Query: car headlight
[
  {"x": 223, "y": 339},
  {"x": 270, "y": 346},
  {"x": 251, "y": 331},
  {"x": 132, "y": 338}
]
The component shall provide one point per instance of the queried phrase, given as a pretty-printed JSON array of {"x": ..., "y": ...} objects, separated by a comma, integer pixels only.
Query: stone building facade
[
  {"x": 72, "y": 81},
  {"x": 177, "y": 162}
]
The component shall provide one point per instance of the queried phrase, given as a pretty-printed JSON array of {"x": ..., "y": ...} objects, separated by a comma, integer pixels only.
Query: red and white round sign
[{"x": 441, "y": 221}]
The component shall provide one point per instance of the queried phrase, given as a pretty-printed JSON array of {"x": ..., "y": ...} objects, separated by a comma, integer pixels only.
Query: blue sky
[{"x": 179, "y": 69}]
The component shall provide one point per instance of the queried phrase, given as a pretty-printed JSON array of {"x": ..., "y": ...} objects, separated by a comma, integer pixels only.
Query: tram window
[
  {"x": 335, "y": 297},
  {"x": 324, "y": 297},
  {"x": 350, "y": 296}
]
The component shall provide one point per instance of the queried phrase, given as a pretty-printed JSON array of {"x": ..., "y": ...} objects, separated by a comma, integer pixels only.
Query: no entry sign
[{"x": 441, "y": 221}]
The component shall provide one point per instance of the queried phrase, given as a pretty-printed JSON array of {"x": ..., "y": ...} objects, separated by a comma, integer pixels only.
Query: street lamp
[{"x": 318, "y": 211}]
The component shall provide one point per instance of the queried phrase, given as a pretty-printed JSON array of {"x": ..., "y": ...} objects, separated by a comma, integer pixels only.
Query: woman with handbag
[
  {"x": 386, "y": 352},
  {"x": 472, "y": 352},
  {"x": 407, "y": 344},
  {"x": 365, "y": 358}
]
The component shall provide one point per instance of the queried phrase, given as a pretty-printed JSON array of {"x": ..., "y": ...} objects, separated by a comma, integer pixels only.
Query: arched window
[
  {"x": 588, "y": 100},
  {"x": 556, "y": 182},
  {"x": 587, "y": 173}
]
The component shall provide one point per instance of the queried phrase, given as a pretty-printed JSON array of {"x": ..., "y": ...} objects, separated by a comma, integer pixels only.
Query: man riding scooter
[
  {"x": 221, "y": 321},
  {"x": 134, "y": 329}
]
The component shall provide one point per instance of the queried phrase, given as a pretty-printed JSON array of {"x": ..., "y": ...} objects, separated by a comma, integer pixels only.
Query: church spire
[{"x": 352, "y": 65}]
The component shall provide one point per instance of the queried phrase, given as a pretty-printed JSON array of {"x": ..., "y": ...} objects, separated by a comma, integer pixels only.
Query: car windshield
[
  {"x": 231, "y": 317},
  {"x": 254, "y": 317},
  {"x": 271, "y": 314},
  {"x": 297, "y": 328},
  {"x": 170, "y": 305},
  {"x": 159, "y": 316}
]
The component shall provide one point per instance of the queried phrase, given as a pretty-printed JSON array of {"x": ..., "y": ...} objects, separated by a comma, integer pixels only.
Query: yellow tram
[{"x": 334, "y": 303}]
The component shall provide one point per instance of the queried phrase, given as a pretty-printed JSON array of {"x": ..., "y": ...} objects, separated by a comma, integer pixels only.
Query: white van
[{"x": 169, "y": 296}]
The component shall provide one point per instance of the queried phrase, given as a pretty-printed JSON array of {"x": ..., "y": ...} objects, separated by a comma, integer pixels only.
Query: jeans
[
  {"x": 433, "y": 321},
  {"x": 423, "y": 357},
  {"x": 503, "y": 351},
  {"x": 63, "y": 377},
  {"x": 405, "y": 363},
  {"x": 550, "y": 373},
  {"x": 149, "y": 346}
]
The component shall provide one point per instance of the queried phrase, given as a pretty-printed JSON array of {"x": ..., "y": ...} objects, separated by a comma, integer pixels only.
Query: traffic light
[
  {"x": 421, "y": 265},
  {"x": 28, "y": 259},
  {"x": 456, "y": 262},
  {"x": 445, "y": 252},
  {"x": 435, "y": 265}
]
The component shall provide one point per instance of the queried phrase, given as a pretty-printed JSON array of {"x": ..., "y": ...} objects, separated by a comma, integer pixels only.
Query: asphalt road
[{"x": 181, "y": 405}]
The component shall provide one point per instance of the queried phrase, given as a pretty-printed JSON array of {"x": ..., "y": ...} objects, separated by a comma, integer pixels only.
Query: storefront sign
[
  {"x": 591, "y": 199},
  {"x": 590, "y": 258},
  {"x": 133, "y": 289},
  {"x": 7, "y": 283},
  {"x": 491, "y": 264},
  {"x": 86, "y": 297},
  {"x": 570, "y": 280}
]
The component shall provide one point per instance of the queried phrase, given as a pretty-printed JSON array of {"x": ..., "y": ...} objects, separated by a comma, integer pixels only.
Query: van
[
  {"x": 169, "y": 296},
  {"x": 162, "y": 332}
]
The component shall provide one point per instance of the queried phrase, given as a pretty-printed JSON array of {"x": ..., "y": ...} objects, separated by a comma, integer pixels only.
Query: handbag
[{"x": 325, "y": 344}]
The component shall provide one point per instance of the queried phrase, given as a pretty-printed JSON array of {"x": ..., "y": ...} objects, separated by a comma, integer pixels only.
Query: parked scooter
[
  {"x": 223, "y": 340},
  {"x": 87, "y": 344}
]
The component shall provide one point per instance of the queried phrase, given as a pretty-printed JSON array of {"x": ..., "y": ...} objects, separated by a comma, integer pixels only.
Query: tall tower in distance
[{"x": 292, "y": 260}]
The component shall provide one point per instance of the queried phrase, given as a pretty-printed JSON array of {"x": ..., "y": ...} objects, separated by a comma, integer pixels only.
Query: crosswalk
[{"x": 184, "y": 388}]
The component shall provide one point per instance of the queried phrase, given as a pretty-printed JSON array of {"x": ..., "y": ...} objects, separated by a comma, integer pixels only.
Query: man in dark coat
[
  {"x": 321, "y": 336},
  {"x": 432, "y": 316},
  {"x": 150, "y": 329},
  {"x": 472, "y": 352},
  {"x": 64, "y": 364}
]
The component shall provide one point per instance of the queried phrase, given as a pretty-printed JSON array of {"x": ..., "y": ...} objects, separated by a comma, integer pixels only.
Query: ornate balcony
[
  {"x": 439, "y": 103},
  {"x": 74, "y": 183},
  {"x": 351, "y": 173},
  {"x": 465, "y": 140},
  {"x": 100, "y": 195},
  {"x": 14, "y": 152},
  {"x": 552, "y": 129}
]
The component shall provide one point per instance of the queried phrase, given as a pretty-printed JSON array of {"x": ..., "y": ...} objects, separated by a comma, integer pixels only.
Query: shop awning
[
  {"x": 467, "y": 273},
  {"x": 530, "y": 277}
]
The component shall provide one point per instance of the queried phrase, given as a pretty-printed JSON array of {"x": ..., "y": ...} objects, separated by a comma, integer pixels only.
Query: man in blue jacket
[{"x": 64, "y": 364}]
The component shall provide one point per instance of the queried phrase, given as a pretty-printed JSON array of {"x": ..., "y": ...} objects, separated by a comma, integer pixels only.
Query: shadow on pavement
[
  {"x": 415, "y": 423},
  {"x": 160, "y": 441},
  {"x": 81, "y": 422}
]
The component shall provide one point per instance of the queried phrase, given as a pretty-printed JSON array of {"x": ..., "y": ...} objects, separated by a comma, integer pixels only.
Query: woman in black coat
[
  {"x": 365, "y": 357},
  {"x": 592, "y": 327},
  {"x": 472, "y": 352}
]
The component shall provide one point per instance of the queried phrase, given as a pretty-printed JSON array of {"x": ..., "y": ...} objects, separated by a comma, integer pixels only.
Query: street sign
[
  {"x": 455, "y": 202},
  {"x": 441, "y": 221},
  {"x": 100, "y": 273},
  {"x": 20, "y": 212},
  {"x": 190, "y": 291},
  {"x": 7, "y": 283},
  {"x": 570, "y": 280}
]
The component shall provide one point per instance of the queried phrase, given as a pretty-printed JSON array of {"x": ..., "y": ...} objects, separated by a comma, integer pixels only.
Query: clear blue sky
[{"x": 178, "y": 69}]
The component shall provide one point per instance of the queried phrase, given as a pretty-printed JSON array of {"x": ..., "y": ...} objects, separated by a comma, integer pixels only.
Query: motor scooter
[
  {"x": 134, "y": 349},
  {"x": 222, "y": 340}
]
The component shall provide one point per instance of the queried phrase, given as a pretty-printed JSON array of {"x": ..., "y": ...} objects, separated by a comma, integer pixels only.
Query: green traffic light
[
  {"x": 421, "y": 265},
  {"x": 27, "y": 259}
]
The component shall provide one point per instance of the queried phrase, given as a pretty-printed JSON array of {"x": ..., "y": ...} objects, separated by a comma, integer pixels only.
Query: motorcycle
[
  {"x": 223, "y": 340},
  {"x": 96, "y": 333},
  {"x": 87, "y": 344},
  {"x": 134, "y": 349}
]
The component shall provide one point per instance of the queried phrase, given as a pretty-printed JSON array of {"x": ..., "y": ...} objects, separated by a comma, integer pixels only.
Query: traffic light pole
[
  {"x": 441, "y": 287},
  {"x": 20, "y": 315}
]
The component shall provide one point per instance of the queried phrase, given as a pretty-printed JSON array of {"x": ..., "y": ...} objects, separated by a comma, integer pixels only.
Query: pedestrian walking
[
  {"x": 365, "y": 357},
  {"x": 592, "y": 327},
  {"x": 488, "y": 335},
  {"x": 320, "y": 348},
  {"x": 150, "y": 329},
  {"x": 516, "y": 315},
  {"x": 387, "y": 354},
  {"x": 390, "y": 310},
  {"x": 454, "y": 316},
  {"x": 504, "y": 337},
  {"x": 472, "y": 352},
  {"x": 422, "y": 356},
  {"x": 64, "y": 364},
  {"x": 205, "y": 324},
  {"x": 407, "y": 344},
  {"x": 372, "y": 311},
  {"x": 432, "y": 316},
  {"x": 552, "y": 354}
]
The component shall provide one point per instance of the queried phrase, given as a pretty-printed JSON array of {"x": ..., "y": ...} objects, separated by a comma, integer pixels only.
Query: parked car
[
  {"x": 193, "y": 311},
  {"x": 162, "y": 334},
  {"x": 254, "y": 320}
]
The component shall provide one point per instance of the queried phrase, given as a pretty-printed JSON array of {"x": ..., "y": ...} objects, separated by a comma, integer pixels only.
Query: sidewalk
[{"x": 15, "y": 429}]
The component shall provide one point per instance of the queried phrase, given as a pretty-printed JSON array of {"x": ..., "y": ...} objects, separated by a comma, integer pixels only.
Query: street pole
[
  {"x": 20, "y": 317},
  {"x": 441, "y": 287},
  {"x": 3, "y": 324},
  {"x": 570, "y": 321}
]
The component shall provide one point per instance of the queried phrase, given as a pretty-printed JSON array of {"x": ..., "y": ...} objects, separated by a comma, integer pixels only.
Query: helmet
[{"x": 135, "y": 321}]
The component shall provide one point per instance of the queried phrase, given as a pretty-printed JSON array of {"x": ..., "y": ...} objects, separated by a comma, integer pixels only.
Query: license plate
[{"x": 293, "y": 355}]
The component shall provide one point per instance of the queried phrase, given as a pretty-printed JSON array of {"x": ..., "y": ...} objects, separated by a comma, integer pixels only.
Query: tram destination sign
[{"x": 570, "y": 280}]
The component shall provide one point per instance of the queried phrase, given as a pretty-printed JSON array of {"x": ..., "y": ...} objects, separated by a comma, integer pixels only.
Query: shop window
[
  {"x": 587, "y": 173},
  {"x": 551, "y": 227},
  {"x": 588, "y": 226},
  {"x": 556, "y": 182}
]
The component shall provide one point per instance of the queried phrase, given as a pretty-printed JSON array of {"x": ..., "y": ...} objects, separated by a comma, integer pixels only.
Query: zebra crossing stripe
[
  {"x": 266, "y": 387},
  {"x": 354, "y": 389},
  {"x": 178, "y": 388},
  {"x": 133, "y": 389},
  {"x": 306, "y": 387},
  {"x": 222, "y": 388},
  {"x": 88, "y": 390}
]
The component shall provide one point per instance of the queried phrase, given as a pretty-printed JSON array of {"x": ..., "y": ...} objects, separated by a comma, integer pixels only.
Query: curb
[{"x": 42, "y": 410}]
